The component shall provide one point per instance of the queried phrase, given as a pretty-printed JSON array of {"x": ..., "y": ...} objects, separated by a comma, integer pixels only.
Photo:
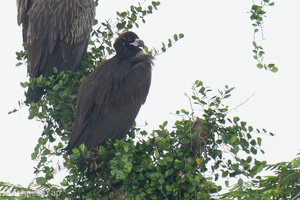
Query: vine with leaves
[{"x": 258, "y": 13}]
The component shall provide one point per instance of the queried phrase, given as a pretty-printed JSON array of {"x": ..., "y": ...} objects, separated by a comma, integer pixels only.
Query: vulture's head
[{"x": 128, "y": 44}]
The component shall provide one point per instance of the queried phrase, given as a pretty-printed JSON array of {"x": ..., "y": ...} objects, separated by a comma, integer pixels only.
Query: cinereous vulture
[
  {"x": 56, "y": 32},
  {"x": 110, "y": 98}
]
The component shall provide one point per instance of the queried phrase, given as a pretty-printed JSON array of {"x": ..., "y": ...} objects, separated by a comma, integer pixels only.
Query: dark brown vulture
[
  {"x": 56, "y": 32},
  {"x": 110, "y": 98}
]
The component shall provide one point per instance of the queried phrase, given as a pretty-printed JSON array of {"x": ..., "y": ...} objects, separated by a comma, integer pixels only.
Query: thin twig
[
  {"x": 243, "y": 103},
  {"x": 296, "y": 197},
  {"x": 191, "y": 105}
]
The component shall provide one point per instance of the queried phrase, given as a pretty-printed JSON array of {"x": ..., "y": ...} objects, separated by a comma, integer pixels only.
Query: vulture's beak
[{"x": 138, "y": 43}]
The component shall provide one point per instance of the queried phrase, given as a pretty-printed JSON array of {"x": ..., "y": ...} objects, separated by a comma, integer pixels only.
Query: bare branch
[{"x": 241, "y": 104}]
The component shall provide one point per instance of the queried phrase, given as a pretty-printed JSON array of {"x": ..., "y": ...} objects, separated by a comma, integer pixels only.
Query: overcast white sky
[{"x": 216, "y": 49}]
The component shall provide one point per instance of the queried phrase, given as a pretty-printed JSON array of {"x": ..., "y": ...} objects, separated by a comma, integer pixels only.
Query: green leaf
[
  {"x": 169, "y": 159},
  {"x": 39, "y": 79},
  {"x": 233, "y": 139},
  {"x": 225, "y": 174},
  {"x": 65, "y": 138},
  {"x": 169, "y": 188},
  {"x": 253, "y": 142},
  {"x": 235, "y": 149},
  {"x": 24, "y": 84},
  {"x": 155, "y": 4},
  {"x": 82, "y": 148},
  {"x": 259, "y": 65},
  {"x": 33, "y": 156},
  {"x": 236, "y": 119},
  {"x": 91, "y": 43},
  {"x": 240, "y": 182},
  {"x": 102, "y": 151},
  {"x": 259, "y": 141},
  {"x": 119, "y": 174},
  {"x": 253, "y": 150},
  {"x": 43, "y": 159},
  {"x": 169, "y": 172},
  {"x": 75, "y": 151},
  {"x": 156, "y": 154},
  {"x": 163, "y": 48},
  {"x": 128, "y": 167},
  {"x": 227, "y": 183},
  {"x": 121, "y": 26},
  {"x": 133, "y": 17},
  {"x": 56, "y": 87},
  {"x": 19, "y": 64},
  {"x": 250, "y": 128},
  {"x": 274, "y": 69},
  {"x": 125, "y": 147},
  {"x": 175, "y": 36},
  {"x": 64, "y": 183},
  {"x": 169, "y": 43},
  {"x": 42, "y": 141},
  {"x": 40, "y": 180}
]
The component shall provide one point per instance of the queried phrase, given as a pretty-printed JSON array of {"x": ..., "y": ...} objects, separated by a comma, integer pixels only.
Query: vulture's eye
[{"x": 129, "y": 39}]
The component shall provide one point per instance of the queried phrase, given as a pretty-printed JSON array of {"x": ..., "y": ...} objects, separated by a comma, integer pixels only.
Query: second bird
[{"x": 57, "y": 34}]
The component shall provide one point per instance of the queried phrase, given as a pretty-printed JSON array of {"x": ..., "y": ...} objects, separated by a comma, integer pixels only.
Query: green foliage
[
  {"x": 56, "y": 111},
  {"x": 259, "y": 56},
  {"x": 103, "y": 36},
  {"x": 257, "y": 16},
  {"x": 127, "y": 19},
  {"x": 165, "y": 46},
  {"x": 284, "y": 184},
  {"x": 230, "y": 136},
  {"x": 22, "y": 55},
  {"x": 169, "y": 164},
  {"x": 149, "y": 169},
  {"x": 164, "y": 164}
]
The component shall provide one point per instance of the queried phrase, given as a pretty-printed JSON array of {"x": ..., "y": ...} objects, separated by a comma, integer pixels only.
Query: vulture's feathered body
[
  {"x": 110, "y": 98},
  {"x": 56, "y": 32}
]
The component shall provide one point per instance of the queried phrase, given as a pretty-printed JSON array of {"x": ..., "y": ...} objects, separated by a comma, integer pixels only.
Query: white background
[{"x": 216, "y": 49}]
